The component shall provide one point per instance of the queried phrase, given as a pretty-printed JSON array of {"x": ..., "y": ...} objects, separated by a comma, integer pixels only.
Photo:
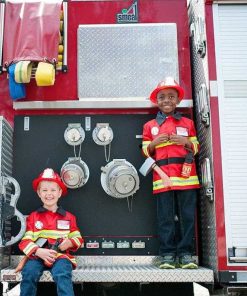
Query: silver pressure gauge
[{"x": 74, "y": 134}]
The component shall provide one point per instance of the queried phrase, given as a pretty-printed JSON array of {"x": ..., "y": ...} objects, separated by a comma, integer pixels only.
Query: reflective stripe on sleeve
[
  {"x": 195, "y": 144},
  {"x": 76, "y": 241},
  {"x": 28, "y": 249},
  {"x": 145, "y": 145}
]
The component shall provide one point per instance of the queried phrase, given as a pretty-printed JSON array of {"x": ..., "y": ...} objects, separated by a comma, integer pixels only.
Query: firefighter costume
[
  {"x": 168, "y": 156},
  {"x": 177, "y": 161},
  {"x": 54, "y": 227}
]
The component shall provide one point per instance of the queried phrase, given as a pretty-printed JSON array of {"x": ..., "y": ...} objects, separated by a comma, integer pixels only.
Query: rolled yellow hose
[
  {"x": 60, "y": 38},
  {"x": 61, "y": 15},
  {"x": 60, "y": 58},
  {"x": 60, "y": 49},
  {"x": 61, "y": 26},
  {"x": 59, "y": 64},
  {"x": 23, "y": 71},
  {"x": 45, "y": 74}
]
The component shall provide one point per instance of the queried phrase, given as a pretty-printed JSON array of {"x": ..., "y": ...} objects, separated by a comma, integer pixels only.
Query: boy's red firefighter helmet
[
  {"x": 49, "y": 175},
  {"x": 168, "y": 82}
]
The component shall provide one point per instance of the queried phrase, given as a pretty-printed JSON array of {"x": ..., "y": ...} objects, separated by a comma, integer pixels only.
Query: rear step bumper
[{"x": 121, "y": 270}]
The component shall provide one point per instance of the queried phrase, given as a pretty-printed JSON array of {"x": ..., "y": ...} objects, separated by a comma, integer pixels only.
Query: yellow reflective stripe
[
  {"x": 77, "y": 241},
  {"x": 195, "y": 146},
  {"x": 45, "y": 233},
  {"x": 158, "y": 185},
  {"x": 145, "y": 145},
  {"x": 177, "y": 181},
  {"x": 29, "y": 248},
  {"x": 195, "y": 143},
  {"x": 28, "y": 235},
  {"x": 193, "y": 140},
  {"x": 192, "y": 180},
  {"x": 74, "y": 234},
  {"x": 165, "y": 144}
]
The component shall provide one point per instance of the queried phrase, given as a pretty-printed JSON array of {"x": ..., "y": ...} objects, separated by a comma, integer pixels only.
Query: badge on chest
[
  {"x": 63, "y": 224},
  {"x": 38, "y": 225},
  {"x": 182, "y": 131},
  {"x": 155, "y": 131}
]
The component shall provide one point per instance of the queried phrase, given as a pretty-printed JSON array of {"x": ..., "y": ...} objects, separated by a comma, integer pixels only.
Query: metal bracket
[
  {"x": 203, "y": 102},
  {"x": 199, "y": 35},
  {"x": 207, "y": 182}
]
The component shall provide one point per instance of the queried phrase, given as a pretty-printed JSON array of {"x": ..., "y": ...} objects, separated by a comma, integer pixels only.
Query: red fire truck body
[{"x": 113, "y": 54}]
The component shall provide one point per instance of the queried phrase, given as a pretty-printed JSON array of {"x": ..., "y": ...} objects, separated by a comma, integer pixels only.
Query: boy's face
[
  {"x": 167, "y": 100},
  {"x": 49, "y": 193}
]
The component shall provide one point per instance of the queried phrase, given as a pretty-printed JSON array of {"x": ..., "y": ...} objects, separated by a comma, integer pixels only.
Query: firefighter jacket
[
  {"x": 169, "y": 156},
  {"x": 51, "y": 226}
]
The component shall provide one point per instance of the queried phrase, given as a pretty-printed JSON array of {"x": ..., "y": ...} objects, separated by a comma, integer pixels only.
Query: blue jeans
[
  {"x": 61, "y": 272},
  {"x": 185, "y": 207}
]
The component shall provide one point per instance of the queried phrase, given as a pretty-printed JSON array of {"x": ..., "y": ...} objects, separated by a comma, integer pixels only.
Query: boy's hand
[
  {"x": 65, "y": 244},
  {"x": 165, "y": 179},
  {"x": 46, "y": 254},
  {"x": 162, "y": 138},
  {"x": 180, "y": 140}
]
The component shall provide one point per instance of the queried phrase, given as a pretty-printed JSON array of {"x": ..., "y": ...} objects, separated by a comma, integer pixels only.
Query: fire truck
[{"x": 74, "y": 86}]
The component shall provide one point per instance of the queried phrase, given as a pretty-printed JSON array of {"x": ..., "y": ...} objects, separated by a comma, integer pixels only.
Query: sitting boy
[{"x": 53, "y": 223}]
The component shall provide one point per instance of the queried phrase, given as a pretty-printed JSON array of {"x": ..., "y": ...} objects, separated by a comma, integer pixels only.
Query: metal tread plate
[
  {"x": 124, "y": 273},
  {"x": 122, "y": 52}
]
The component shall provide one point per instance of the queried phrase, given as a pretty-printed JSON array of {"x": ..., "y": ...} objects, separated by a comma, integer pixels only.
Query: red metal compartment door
[{"x": 31, "y": 31}]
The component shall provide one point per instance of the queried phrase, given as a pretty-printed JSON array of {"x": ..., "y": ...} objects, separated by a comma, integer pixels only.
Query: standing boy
[
  {"x": 171, "y": 140},
  {"x": 53, "y": 223}
]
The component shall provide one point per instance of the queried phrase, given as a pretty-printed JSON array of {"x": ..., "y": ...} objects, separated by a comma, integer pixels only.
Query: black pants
[{"x": 166, "y": 210}]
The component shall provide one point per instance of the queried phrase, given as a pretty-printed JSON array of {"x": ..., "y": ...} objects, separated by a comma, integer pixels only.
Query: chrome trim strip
[{"x": 94, "y": 103}]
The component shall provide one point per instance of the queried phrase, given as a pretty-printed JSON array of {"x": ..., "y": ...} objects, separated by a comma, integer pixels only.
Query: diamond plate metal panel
[
  {"x": 6, "y": 147},
  {"x": 206, "y": 208},
  {"x": 6, "y": 158},
  {"x": 120, "y": 269},
  {"x": 125, "y": 61}
]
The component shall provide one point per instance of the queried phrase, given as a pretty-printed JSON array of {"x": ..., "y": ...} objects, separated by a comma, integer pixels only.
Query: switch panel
[
  {"x": 108, "y": 245},
  {"x": 123, "y": 245},
  {"x": 92, "y": 245},
  {"x": 138, "y": 245}
]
